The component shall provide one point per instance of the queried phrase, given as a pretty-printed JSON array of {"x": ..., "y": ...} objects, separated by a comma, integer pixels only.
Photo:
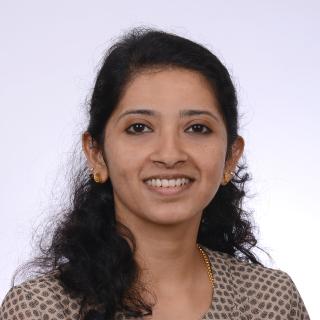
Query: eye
[
  {"x": 137, "y": 128},
  {"x": 199, "y": 128}
]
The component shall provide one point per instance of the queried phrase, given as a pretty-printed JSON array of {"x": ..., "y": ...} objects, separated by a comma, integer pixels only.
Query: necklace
[{"x": 208, "y": 265}]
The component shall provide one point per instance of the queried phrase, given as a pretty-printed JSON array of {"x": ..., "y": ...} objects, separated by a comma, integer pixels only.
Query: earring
[
  {"x": 95, "y": 176},
  {"x": 226, "y": 177}
]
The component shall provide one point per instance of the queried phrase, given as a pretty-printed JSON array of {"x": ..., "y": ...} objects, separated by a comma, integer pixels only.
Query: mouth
[{"x": 169, "y": 186}]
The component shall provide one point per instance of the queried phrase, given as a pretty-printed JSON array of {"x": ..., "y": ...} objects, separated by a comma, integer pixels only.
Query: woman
[{"x": 156, "y": 228}]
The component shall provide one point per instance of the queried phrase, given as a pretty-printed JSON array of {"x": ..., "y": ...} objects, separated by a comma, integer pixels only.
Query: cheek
[
  {"x": 212, "y": 175},
  {"x": 210, "y": 185},
  {"x": 123, "y": 161},
  {"x": 211, "y": 164},
  {"x": 211, "y": 157},
  {"x": 215, "y": 168}
]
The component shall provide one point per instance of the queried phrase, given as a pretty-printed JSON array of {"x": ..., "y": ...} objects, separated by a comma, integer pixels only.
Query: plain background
[{"x": 50, "y": 53}]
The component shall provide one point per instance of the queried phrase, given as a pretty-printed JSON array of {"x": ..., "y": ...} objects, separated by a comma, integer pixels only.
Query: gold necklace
[{"x": 208, "y": 264}]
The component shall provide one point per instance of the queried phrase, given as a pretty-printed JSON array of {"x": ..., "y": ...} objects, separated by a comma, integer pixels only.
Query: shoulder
[
  {"x": 40, "y": 298},
  {"x": 256, "y": 290},
  {"x": 245, "y": 271}
]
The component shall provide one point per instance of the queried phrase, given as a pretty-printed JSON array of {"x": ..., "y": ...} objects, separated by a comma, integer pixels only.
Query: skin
[{"x": 165, "y": 228}]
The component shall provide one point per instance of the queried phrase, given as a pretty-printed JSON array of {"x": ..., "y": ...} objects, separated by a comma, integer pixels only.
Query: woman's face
[{"x": 166, "y": 130}]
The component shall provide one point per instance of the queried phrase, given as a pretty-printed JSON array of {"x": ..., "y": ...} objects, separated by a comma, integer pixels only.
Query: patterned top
[{"x": 242, "y": 291}]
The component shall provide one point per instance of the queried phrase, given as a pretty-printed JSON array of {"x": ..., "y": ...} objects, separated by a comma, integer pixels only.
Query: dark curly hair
[{"x": 95, "y": 253}]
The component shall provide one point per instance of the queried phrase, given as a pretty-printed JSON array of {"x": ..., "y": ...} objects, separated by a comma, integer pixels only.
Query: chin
[{"x": 169, "y": 218}]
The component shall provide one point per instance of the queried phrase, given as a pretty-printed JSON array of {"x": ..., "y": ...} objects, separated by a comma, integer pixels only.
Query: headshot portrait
[{"x": 158, "y": 161}]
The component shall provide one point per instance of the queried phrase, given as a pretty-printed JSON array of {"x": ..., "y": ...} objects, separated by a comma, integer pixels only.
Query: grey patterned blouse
[{"x": 242, "y": 291}]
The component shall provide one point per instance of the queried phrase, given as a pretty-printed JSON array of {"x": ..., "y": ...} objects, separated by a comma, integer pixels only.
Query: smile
[
  {"x": 168, "y": 186},
  {"x": 167, "y": 183}
]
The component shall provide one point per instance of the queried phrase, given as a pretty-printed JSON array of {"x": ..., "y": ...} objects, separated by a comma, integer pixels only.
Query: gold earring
[
  {"x": 226, "y": 177},
  {"x": 96, "y": 177}
]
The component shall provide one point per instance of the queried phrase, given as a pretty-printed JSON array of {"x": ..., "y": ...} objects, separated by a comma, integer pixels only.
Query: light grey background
[{"x": 50, "y": 52}]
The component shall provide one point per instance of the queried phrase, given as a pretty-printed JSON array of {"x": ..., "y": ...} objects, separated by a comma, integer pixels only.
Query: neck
[{"x": 168, "y": 256}]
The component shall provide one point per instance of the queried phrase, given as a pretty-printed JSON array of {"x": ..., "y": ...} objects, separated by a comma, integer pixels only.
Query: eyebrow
[{"x": 183, "y": 113}]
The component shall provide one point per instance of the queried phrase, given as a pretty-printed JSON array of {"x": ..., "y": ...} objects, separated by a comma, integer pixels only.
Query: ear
[
  {"x": 234, "y": 157},
  {"x": 94, "y": 156}
]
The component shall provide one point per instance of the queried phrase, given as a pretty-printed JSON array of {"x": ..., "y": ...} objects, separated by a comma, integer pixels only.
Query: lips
[
  {"x": 169, "y": 176},
  {"x": 164, "y": 186}
]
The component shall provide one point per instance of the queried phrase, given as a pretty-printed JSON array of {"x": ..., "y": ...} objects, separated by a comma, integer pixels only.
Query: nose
[{"x": 169, "y": 150}]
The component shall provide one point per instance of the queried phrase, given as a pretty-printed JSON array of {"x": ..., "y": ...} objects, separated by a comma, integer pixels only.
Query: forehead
[{"x": 168, "y": 91}]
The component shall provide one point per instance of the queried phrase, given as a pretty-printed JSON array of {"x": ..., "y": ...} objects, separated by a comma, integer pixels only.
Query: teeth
[{"x": 166, "y": 183}]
